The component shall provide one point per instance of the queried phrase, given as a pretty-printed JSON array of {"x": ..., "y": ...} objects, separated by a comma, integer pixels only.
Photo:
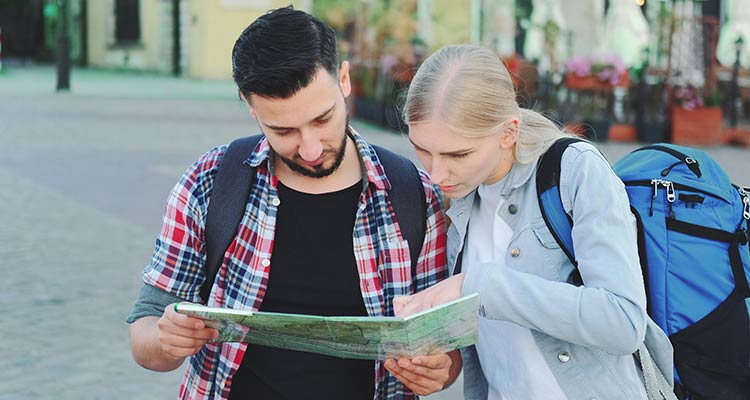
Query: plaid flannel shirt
[{"x": 381, "y": 253}]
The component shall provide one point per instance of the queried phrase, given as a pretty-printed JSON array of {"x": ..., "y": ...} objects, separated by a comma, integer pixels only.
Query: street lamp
[
  {"x": 733, "y": 94},
  {"x": 63, "y": 47}
]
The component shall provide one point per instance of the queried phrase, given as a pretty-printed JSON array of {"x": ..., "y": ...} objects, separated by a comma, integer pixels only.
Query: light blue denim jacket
[{"x": 586, "y": 334}]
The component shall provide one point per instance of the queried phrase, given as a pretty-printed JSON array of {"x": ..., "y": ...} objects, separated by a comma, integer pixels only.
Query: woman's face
[{"x": 460, "y": 164}]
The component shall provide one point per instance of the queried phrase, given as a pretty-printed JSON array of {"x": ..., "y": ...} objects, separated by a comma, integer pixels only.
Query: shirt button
[
  {"x": 563, "y": 357},
  {"x": 512, "y": 208},
  {"x": 275, "y": 201},
  {"x": 515, "y": 252},
  {"x": 266, "y": 262}
]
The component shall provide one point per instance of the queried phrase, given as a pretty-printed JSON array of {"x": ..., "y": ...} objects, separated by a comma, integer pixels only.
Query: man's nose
[{"x": 310, "y": 147}]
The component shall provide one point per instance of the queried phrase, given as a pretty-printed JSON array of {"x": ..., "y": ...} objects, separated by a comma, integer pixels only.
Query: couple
[{"x": 318, "y": 236}]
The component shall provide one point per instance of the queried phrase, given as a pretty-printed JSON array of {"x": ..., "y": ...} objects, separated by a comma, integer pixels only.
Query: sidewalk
[{"x": 85, "y": 176}]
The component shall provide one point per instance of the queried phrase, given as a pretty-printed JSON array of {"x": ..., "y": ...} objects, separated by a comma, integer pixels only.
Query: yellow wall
[
  {"x": 215, "y": 25},
  {"x": 104, "y": 53},
  {"x": 451, "y": 23},
  {"x": 211, "y": 28}
]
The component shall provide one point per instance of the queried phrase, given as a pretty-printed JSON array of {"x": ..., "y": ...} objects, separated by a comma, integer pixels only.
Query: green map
[{"x": 447, "y": 327}]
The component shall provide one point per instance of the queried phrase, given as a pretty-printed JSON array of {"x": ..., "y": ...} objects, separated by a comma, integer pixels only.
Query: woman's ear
[{"x": 510, "y": 133}]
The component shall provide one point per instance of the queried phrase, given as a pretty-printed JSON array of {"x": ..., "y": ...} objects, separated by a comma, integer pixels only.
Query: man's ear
[
  {"x": 344, "y": 79},
  {"x": 510, "y": 133}
]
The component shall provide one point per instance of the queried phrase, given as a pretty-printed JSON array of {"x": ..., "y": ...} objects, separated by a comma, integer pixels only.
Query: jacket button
[
  {"x": 563, "y": 357},
  {"x": 266, "y": 262},
  {"x": 512, "y": 208},
  {"x": 275, "y": 201},
  {"x": 515, "y": 252}
]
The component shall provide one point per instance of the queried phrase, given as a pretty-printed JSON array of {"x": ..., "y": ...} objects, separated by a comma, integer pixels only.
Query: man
[{"x": 318, "y": 237}]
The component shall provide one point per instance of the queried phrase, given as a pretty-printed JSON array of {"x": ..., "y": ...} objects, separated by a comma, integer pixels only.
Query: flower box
[
  {"x": 698, "y": 127},
  {"x": 590, "y": 82}
]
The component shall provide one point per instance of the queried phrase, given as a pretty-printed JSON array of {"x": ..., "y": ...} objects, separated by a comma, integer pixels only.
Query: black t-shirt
[{"x": 313, "y": 271}]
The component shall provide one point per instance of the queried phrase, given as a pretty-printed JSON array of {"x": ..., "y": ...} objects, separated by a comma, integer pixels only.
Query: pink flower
[
  {"x": 607, "y": 68},
  {"x": 580, "y": 66}
]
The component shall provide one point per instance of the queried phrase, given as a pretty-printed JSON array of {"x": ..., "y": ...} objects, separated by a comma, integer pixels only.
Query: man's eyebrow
[
  {"x": 449, "y": 153},
  {"x": 321, "y": 115}
]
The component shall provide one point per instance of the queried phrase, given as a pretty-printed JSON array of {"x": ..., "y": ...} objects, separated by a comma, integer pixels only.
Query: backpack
[
  {"x": 234, "y": 181},
  {"x": 693, "y": 236}
]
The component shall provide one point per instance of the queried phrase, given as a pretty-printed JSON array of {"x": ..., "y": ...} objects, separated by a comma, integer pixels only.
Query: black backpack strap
[
  {"x": 550, "y": 203},
  {"x": 226, "y": 206},
  {"x": 408, "y": 201}
]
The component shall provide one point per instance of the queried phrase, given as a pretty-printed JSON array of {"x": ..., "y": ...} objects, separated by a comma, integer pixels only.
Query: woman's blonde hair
[{"x": 469, "y": 89}]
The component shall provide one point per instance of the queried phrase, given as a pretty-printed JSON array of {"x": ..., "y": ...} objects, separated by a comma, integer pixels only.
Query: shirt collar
[
  {"x": 518, "y": 175},
  {"x": 372, "y": 169}
]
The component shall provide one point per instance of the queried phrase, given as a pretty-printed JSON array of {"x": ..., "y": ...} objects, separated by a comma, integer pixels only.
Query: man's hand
[
  {"x": 443, "y": 292},
  {"x": 181, "y": 336},
  {"x": 425, "y": 375}
]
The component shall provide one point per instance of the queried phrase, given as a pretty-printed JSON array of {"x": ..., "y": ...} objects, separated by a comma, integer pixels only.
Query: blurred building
[{"x": 193, "y": 38}]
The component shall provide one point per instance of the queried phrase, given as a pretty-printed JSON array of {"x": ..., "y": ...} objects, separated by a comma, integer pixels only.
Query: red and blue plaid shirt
[{"x": 382, "y": 258}]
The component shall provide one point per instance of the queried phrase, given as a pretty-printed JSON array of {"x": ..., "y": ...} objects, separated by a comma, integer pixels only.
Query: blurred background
[
  {"x": 104, "y": 104},
  {"x": 627, "y": 70}
]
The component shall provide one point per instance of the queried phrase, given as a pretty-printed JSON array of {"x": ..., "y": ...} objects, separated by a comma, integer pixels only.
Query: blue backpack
[{"x": 693, "y": 232}]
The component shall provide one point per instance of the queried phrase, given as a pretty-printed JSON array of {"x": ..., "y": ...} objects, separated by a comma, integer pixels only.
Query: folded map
[{"x": 447, "y": 327}]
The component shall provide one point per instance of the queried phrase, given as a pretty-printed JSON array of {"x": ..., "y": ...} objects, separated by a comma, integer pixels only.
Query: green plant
[{"x": 713, "y": 98}]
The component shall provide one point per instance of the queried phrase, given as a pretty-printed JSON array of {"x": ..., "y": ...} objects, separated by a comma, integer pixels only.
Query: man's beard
[{"x": 319, "y": 171}]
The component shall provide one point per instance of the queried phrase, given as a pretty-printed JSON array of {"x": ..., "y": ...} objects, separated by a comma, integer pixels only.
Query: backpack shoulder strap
[
  {"x": 408, "y": 200},
  {"x": 550, "y": 203},
  {"x": 227, "y": 206}
]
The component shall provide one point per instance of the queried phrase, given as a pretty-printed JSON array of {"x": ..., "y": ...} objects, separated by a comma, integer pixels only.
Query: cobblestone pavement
[{"x": 85, "y": 176}]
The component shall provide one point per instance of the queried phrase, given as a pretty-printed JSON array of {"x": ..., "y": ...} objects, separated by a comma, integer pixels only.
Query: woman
[{"x": 540, "y": 335}]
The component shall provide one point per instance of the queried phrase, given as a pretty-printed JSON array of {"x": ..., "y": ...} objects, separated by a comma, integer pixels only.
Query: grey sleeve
[{"x": 151, "y": 302}]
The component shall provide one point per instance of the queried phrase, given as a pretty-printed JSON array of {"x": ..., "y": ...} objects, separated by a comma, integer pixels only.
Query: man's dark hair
[{"x": 280, "y": 53}]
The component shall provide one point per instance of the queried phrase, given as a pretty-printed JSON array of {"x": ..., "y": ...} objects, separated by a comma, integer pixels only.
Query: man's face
[{"x": 308, "y": 130}]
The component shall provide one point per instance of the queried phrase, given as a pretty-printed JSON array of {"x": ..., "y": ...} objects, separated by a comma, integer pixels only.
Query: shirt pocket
[{"x": 534, "y": 250}]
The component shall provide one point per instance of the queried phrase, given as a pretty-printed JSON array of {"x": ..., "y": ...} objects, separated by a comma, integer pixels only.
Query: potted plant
[
  {"x": 696, "y": 118},
  {"x": 599, "y": 72},
  {"x": 594, "y": 79}
]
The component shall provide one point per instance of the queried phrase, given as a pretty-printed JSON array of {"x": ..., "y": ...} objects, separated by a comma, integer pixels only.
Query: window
[{"x": 127, "y": 22}]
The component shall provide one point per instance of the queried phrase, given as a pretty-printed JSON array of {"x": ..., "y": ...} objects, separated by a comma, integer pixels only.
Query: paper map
[{"x": 447, "y": 327}]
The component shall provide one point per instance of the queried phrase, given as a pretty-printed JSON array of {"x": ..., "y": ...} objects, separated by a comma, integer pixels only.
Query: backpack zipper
[
  {"x": 691, "y": 163},
  {"x": 676, "y": 186},
  {"x": 745, "y": 193},
  {"x": 671, "y": 197}
]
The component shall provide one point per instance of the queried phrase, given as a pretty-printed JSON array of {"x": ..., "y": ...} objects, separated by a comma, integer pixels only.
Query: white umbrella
[
  {"x": 624, "y": 32},
  {"x": 736, "y": 26},
  {"x": 584, "y": 19},
  {"x": 687, "y": 46},
  {"x": 544, "y": 12}
]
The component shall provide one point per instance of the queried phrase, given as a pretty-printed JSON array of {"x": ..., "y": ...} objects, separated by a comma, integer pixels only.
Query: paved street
[{"x": 85, "y": 176}]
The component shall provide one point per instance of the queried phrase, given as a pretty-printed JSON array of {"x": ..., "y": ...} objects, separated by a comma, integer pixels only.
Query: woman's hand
[{"x": 443, "y": 292}]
